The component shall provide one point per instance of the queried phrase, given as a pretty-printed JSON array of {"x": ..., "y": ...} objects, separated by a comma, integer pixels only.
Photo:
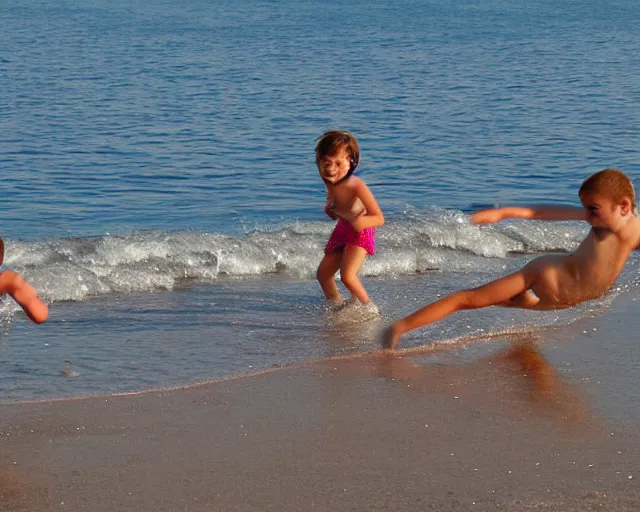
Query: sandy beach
[{"x": 526, "y": 426}]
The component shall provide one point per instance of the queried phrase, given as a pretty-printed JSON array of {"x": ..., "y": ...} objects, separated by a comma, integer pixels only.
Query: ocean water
[{"x": 160, "y": 190}]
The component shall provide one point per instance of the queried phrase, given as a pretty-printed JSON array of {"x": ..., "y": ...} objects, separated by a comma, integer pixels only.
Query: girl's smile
[{"x": 334, "y": 168}]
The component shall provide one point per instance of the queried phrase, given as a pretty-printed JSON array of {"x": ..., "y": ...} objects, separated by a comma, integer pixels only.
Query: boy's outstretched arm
[
  {"x": 24, "y": 294},
  {"x": 549, "y": 212}
]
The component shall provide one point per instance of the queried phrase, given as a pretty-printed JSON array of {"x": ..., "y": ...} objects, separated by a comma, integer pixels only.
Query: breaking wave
[{"x": 72, "y": 269}]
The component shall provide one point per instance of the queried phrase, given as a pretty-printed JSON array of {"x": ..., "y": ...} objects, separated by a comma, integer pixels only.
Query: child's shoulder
[
  {"x": 628, "y": 236},
  {"x": 634, "y": 234},
  {"x": 356, "y": 182}
]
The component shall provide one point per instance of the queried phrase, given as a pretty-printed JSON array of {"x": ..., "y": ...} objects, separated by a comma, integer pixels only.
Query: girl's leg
[
  {"x": 491, "y": 294},
  {"x": 326, "y": 275},
  {"x": 352, "y": 259}
]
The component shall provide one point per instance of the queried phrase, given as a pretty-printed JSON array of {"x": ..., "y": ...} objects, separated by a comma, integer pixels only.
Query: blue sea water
[{"x": 160, "y": 190}]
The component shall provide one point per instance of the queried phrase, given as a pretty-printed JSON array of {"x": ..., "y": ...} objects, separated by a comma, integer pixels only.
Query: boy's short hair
[
  {"x": 610, "y": 183},
  {"x": 333, "y": 141}
]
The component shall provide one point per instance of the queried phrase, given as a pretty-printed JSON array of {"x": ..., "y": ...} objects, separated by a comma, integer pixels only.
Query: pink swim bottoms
[{"x": 343, "y": 235}]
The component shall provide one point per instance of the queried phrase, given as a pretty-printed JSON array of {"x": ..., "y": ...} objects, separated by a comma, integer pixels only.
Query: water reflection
[{"x": 517, "y": 378}]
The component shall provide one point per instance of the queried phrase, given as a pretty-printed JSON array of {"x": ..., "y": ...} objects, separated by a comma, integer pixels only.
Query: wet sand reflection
[{"x": 519, "y": 377}]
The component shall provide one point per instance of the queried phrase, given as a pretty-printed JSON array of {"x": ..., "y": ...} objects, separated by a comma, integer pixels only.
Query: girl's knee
[
  {"x": 349, "y": 279},
  {"x": 323, "y": 276}
]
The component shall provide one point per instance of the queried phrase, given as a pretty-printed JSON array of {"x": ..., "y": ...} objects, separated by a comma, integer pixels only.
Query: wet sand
[{"x": 515, "y": 429}]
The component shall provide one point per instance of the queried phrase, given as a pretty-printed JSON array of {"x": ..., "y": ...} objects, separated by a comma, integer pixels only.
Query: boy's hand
[{"x": 486, "y": 216}]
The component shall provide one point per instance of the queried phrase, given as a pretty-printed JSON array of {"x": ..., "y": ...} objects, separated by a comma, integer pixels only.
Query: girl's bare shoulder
[{"x": 356, "y": 183}]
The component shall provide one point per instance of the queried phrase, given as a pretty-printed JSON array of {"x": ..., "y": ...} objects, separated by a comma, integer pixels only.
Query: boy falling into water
[{"x": 552, "y": 281}]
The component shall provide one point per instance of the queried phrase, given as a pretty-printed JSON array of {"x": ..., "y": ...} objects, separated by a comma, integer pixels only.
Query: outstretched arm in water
[{"x": 550, "y": 212}]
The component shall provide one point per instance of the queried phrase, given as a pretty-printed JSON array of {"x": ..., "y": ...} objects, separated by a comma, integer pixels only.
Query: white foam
[
  {"x": 434, "y": 240},
  {"x": 352, "y": 312}
]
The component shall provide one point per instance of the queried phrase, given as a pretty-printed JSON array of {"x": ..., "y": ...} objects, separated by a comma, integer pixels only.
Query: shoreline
[
  {"x": 365, "y": 433},
  {"x": 431, "y": 348}
]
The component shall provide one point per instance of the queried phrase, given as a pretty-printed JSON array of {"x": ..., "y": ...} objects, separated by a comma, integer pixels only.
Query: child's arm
[
  {"x": 329, "y": 209},
  {"x": 373, "y": 217},
  {"x": 551, "y": 212},
  {"x": 24, "y": 294}
]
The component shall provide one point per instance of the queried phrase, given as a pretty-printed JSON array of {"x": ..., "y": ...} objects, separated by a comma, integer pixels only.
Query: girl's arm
[
  {"x": 329, "y": 209},
  {"x": 550, "y": 212},
  {"x": 373, "y": 217}
]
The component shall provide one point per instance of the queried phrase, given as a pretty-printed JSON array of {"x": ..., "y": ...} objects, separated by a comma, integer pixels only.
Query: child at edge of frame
[{"x": 13, "y": 284}]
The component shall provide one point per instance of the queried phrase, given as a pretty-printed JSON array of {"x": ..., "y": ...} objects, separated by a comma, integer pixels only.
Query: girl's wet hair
[
  {"x": 610, "y": 183},
  {"x": 329, "y": 143}
]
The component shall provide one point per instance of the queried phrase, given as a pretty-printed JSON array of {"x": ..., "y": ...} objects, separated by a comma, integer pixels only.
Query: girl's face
[{"x": 335, "y": 167}]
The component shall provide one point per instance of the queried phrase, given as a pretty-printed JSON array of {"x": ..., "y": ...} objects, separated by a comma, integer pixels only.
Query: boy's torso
[{"x": 587, "y": 273}]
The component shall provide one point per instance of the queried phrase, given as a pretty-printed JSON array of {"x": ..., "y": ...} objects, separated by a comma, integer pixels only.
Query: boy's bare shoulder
[
  {"x": 635, "y": 239},
  {"x": 632, "y": 234}
]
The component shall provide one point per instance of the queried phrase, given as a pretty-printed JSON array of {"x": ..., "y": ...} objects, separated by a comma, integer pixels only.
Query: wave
[{"x": 73, "y": 269}]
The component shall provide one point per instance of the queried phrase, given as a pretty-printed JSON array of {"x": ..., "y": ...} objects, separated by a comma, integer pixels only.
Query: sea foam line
[{"x": 73, "y": 269}]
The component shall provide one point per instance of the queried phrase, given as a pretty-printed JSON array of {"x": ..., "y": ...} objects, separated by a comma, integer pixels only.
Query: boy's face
[
  {"x": 335, "y": 167},
  {"x": 601, "y": 211}
]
